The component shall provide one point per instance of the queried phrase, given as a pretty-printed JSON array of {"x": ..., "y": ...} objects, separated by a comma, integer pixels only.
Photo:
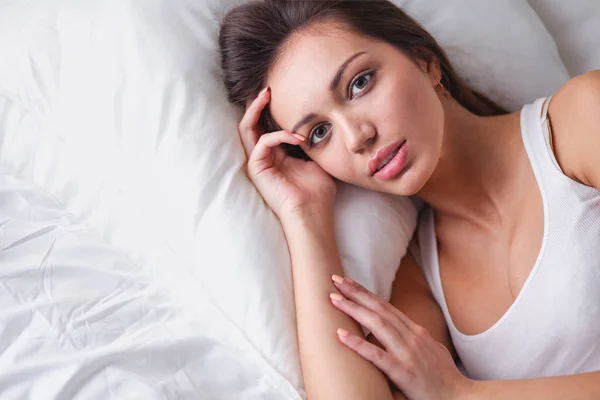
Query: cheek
[
  {"x": 335, "y": 162},
  {"x": 399, "y": 103},
  {"x": 413, "y": 109}
]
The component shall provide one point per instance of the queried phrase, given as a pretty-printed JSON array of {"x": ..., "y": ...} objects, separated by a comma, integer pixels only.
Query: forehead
[{"x": 303, "y": 73}]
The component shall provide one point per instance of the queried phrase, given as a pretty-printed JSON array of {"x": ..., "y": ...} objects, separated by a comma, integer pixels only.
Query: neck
[{"x": 476, "y": 174}]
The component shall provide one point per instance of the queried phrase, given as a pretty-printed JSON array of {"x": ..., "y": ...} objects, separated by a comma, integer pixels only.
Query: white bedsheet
[{"x": 79, "y": 320}]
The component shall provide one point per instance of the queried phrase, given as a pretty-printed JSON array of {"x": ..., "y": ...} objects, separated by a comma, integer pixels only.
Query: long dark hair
[{"x": 253, "y": 35}]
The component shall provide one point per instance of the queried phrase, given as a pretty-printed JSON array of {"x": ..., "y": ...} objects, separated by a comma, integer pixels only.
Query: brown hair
[{"x": 253, "y": 35}]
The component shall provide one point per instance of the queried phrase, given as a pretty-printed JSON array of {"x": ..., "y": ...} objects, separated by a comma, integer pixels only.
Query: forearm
[
  {"x": 331, "y": 371},
  {"x": 574, "y": 387}
]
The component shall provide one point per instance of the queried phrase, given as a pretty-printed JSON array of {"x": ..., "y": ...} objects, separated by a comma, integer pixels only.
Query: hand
[
  {"x": 419, "y": 366},
  {"x": 287, "y": 184}
]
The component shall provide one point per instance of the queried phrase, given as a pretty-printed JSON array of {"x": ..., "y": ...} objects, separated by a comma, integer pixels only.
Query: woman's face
[{"x": 352, "y": 96}]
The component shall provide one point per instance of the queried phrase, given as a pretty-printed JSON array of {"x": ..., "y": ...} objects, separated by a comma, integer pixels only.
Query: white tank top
[{"x": 553, "y": 326}]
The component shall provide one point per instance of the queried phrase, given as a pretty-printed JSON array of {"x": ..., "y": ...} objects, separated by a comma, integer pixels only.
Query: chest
[
  {"x": 484, "y": 271},
  {"x": 548, "y": 266},
  {"x": 539, "y": 316}
]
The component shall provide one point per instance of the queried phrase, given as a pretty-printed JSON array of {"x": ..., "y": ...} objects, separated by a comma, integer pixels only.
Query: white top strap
[
  {"x": 547, "y": 131},
  {"x": 544, "y": 115}
]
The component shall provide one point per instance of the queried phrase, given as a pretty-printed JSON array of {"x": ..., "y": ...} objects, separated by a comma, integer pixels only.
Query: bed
[{"x": 136, "y": 258}]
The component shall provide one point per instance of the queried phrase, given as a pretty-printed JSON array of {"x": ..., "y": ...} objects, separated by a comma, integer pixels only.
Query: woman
[{"x": 509, "y": 250}]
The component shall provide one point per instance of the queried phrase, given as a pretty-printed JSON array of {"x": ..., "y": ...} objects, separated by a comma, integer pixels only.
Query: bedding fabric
[
  {"x": 136, "y": 258},
  {"x": 575, "y": 26},
  {"x": 80, "y": 320}
]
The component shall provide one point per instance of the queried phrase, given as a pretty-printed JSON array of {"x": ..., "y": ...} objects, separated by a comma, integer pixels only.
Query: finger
[
  {"x": 262, "y": 150},
  {"x": 360, "y": 295},
  {"x": 380, "y": 358},
  {"x": 385, "y": 332},
  {"x": 347, "y": 284},
  {"x": 248, "y": 125},
  {"x": 373, "y": 340}
]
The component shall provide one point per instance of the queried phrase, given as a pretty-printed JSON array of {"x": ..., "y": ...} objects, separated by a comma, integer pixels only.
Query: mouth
[
  {"x": 384, "y": 156},
  {"x": 389, "y": 161}
]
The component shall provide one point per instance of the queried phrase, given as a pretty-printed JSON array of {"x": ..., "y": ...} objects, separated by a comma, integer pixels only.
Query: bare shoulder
[
  {"x": 411, "y": 295},
  {"x": 580, "y": 91},
  {"x": 574, "y": 114}
]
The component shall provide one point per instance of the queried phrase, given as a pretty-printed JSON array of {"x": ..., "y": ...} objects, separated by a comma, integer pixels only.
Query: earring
[{"x": 445, "y": 91}]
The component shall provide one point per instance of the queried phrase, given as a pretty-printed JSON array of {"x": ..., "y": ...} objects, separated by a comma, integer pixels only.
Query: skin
[
  {"x": 472, "y": 170},
  {"x": 392, "y": 106}
]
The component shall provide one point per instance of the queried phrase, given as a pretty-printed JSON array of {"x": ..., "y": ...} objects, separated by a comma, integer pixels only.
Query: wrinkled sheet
[{"x": 81, "y": 321}]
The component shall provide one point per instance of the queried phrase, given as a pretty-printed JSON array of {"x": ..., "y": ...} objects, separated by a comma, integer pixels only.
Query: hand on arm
[
  {"x": 420, "y": 366},
  {"x": 415, "y": 360},
  {"x": 411, "y": 295}
]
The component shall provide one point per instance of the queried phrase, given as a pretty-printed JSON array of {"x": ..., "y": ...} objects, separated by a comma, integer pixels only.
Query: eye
[
  {"x": 318, "y": 134},
  {"x": 360, "y": 84}
]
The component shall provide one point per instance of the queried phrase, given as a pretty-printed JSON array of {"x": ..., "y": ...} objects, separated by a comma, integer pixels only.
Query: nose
[{"x": 358, "y": 134}]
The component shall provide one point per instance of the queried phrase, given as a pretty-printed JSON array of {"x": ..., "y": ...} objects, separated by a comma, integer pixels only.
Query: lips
[{"x": 382, "y": 155}]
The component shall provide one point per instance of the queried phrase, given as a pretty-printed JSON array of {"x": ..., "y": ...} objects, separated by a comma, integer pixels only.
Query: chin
[{"x": 409, "y": 184}]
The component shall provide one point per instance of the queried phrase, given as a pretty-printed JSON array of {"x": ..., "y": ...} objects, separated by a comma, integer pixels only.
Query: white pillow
[
  {"x": 575, "y": 25},
  {"x": 134, "y": 137},
  {"x": 501, "y": 48}
]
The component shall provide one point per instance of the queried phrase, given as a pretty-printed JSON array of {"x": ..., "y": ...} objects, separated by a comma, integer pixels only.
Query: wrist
[
  {"x": 473, "y": 390},
  {"x": 307, "y": 217}
]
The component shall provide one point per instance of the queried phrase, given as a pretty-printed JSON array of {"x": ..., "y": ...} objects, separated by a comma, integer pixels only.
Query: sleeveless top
[{"x": 553, "y": 326}]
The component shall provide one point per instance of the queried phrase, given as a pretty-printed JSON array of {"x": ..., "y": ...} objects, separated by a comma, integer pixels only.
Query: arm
[
  {"x": 575, "y": 387},
  {"x": 574, "y": 114},
  {"x": 331, "y": 371},
  {"x": 412, "y": 296}
]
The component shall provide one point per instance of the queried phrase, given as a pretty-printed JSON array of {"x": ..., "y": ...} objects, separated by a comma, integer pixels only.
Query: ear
[
  {"x": 428, "y": 63},
  {"x": 434, "y": 71}
]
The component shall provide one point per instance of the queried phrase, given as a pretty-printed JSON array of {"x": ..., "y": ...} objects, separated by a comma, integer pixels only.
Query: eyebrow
[{"x": 332, "y": 87}]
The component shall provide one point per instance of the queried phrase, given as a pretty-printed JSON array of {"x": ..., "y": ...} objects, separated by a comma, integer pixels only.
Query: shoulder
[{"x": 574, "y": 114}]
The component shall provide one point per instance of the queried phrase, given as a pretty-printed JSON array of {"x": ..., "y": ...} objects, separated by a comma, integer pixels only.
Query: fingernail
[
  {"x": 300, "y": 137},
  {"x": 263, "y": 91},
  {"x": 337, "y": 279},
  {"x": 343, "y": 332},
  {"x": 336, "y": 297}
]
